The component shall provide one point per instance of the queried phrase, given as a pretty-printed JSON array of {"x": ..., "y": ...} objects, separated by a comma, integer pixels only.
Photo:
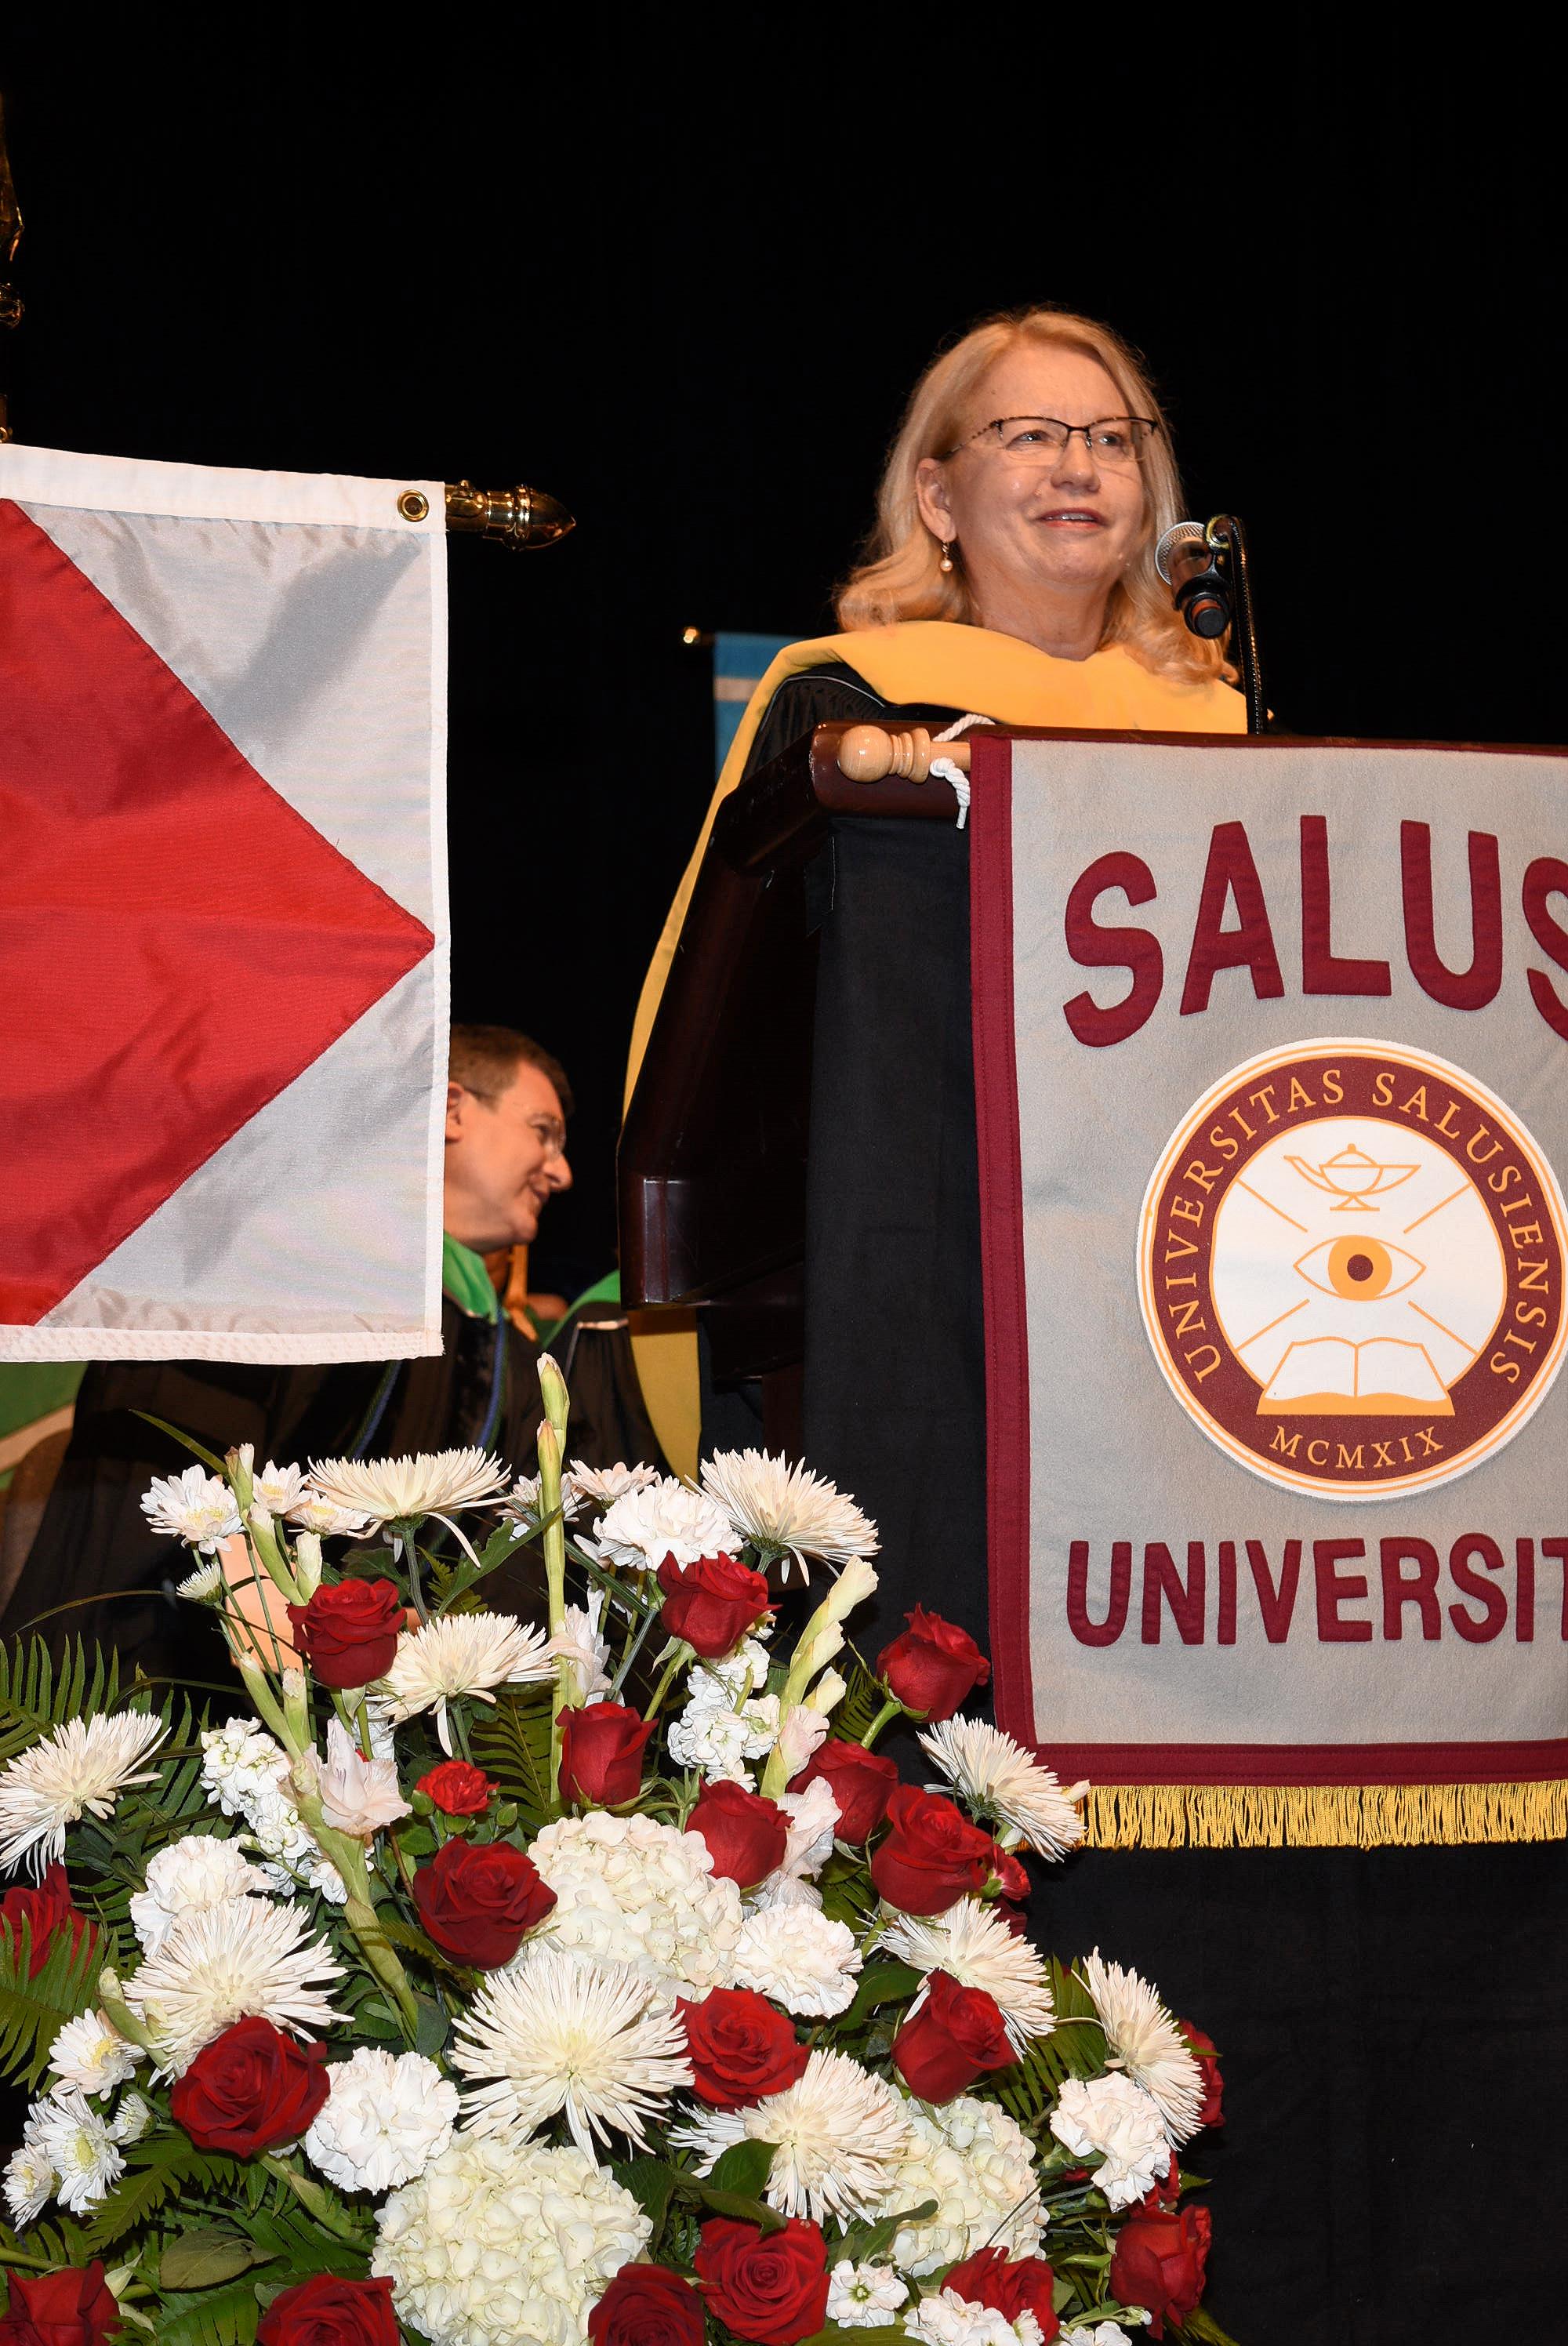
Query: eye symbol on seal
[{"x": 1359, "y": 1270}]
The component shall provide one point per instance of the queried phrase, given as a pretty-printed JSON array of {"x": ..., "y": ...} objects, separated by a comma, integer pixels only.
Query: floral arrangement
[{"x": 485, "y": 1983}]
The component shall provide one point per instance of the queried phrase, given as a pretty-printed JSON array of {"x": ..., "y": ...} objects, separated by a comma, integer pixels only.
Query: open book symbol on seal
[{"x": 1352, "y": 1178}]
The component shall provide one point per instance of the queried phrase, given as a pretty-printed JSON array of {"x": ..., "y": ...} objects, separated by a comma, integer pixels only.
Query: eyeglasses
[
  {"x": 1034, "y": 442},
  {"x": 551, "y": 1134}
]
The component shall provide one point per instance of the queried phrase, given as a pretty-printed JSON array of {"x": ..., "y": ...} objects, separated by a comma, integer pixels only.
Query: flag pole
[{"x": 10, "y": 238}]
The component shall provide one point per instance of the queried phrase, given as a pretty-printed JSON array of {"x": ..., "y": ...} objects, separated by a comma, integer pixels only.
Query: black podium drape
[{"x": 1394, "y": 2021}]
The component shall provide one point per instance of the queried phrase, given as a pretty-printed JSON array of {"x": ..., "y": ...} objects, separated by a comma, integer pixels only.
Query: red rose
[
  {"x": 931, "y": 1857},
  {"x": 1009, "y": 1872},
  {"x": 745, "y": 1833},
  {"x": 858, "y": 1780},
  {"x": 326, "y": 2312},
  {"x": 1213, "y": 2110},
  {"x": 742, "y": 2050},
  {"x": 647, "y": 2305},
  {"x": 987, "y": 2278},
  {"x": 349, "y": 1633},
  {"x": 933, "y": 1667},
  {"x": 70, "y": 2307},
  {"x": 457, "y": 1787},
  {"x": 957, "y": 2033},
  {"x": 712, "y": 1603},
  {"x": 602, "y": 1754},
  {"x": 1159, "y": 2263},
  {"x": 479, "y": 1900},
  {"x": 251, "y": 2088},
  {"x": 47, "y": 1911},
  {"x": 770, "y": 2287}
]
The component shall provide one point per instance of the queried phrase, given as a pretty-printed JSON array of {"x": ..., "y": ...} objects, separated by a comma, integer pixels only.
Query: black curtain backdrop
[{"x": 680, "y": 269}]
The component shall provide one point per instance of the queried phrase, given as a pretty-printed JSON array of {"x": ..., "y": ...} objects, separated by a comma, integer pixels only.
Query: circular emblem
[{"x": 1350, "y": 1267}]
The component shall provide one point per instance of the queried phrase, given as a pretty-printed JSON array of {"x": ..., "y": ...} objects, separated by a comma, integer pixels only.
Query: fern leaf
[
  {"x": 512, "y": 1745},
  {"x": 33, "y": 2010},
  {"x": 37, "y": 1695}
]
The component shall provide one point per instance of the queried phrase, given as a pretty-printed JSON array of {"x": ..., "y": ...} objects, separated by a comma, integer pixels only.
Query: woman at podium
[{"x": 1011, "y": 575}]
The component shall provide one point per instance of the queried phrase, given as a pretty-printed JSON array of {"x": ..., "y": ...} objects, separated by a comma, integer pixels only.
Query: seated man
[{"x": 507, "y": 1105}]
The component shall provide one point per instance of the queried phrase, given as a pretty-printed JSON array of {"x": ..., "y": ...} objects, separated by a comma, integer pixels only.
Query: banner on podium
[{"x": 1272, "y": 1065}]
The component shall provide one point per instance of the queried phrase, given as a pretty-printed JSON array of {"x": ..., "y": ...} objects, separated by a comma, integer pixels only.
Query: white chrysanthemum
[
  {"x": 132, "y": 2118},
  {"x": 90, "y": 2054},
  {"x": 80, "y": 1769},
  {"x": 581, "y": 1643},
  {"x": 632, "y": 1891},
  {"x": 279, "y": 1488},
  {"x": 788, "y": 1508},
  {"x": 863, "y": 2297},
  {"x": 841, "y": 2136},
  {"x": 1144, "y": 2040},
  {"x": 29, "y": 2181},
  {"x": 194, "y": 1506},
  {"x": 801, "y": 1958},
  {"x": 358, "y": 1796},
  {"x": 499, "y": 2241},
  {"x": 663, "y": 1519},
  {"x": 974, "y": 1946},
  {"x": 945, "y": 2319},
  {"x": 599, "y": 2042},
  {"x": 325, "y": 1518},
  {"x": 385, "y": 2118},
  {"x": 222, "y": 1965},
  {"x": 1113, "y": 2120},
  {"x": 401, "y": 1490},
  {"x": 998, "y": 1780},
  {"x": 463, "y": 1654},
  {"x": 601, "y": 1487},
  {"x": 246, "y": 1772},
  {"x": 185, "y": 1878},
  {"x": 76, "y": 2141},
  {"x": 204, "y": 1586},
  {"x": 976, "y": 2162}
]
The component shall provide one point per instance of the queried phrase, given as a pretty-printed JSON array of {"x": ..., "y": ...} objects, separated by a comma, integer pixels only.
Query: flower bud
[
  {"x": 308, "y": 1564},
  {"x": 552, "y": 1393}
]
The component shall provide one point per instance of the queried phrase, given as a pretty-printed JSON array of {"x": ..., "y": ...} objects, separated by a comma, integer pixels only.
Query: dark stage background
[{"x": 682, "y": 276}]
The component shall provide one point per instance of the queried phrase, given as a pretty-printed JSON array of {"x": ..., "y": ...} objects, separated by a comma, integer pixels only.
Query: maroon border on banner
[
  {"x": 1007, "y": 1426},
  {"x": 991, "y": 1012}
]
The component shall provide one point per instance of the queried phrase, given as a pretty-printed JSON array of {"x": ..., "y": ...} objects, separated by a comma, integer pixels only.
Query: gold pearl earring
[{"x": 946, "y": 562}]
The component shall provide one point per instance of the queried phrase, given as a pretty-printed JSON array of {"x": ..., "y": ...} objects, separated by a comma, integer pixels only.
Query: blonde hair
[{"x": 900, "y": 577}]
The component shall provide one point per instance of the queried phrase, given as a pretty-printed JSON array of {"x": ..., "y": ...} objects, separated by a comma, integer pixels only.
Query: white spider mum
[
  {"x": 214, "y": 1968},
  {"x": 974, "y": 1946},
  {"x": 79, "y": 1770},
  {"x": 632, "y": 1891},
  {"x": 863, "y": 2297},
  {"x": 194, "y": 1506},
  {"x": 90, "y": 2054},
  {"x": 597, "y": 2042},
  {"x": 601, "y": 1487},
  {"x": 78, "y": 2144},
  {"x": 463, "y": 1654},
  {"x": 185, "y": 1877},
  {"x": 664, "y": 1518},
  {"x": 401, "y": 1490},
  {"x": 1112, "y": 2119},
  {"x": 1144, "y": 2040},
  {"x": 998, "y": 1780},
  {"x": 840, "y": 2136},
  {"x": 385, "y": 2118},
  {"x": 358, "y": 1796},
  {"x": 976, "y": 2162},
  {"x": 205, "y": 1585},
  {"x": 788, "y": 1508},
  {"x": 801, "y": 1958}
]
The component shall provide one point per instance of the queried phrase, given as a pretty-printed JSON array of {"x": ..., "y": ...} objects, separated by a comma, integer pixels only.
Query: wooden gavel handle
[{"x": 867, "y": 753}]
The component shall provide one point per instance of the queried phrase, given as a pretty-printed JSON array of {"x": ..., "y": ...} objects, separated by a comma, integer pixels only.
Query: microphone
[{"x": 1189, "y": 565}]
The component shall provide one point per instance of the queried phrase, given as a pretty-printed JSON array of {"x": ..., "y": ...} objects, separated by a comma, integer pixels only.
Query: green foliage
[
  {"x": 32, "y": 2011},
  {"x": 1028, "y": 2090},
  {"x": 1201, "y": 2329},
  {"x": 651, "y": 2184},
  {"x": 864, "y": 2243},
  {"x": 36, "y": 1696},
  {"x": 511, "y": 1744},
  {"x": 886, "y": 1982},
  {"x": 161, "y": 2164},
  {"x": 860, "y": 1703},
  {"x": 744, "y": 2166}
]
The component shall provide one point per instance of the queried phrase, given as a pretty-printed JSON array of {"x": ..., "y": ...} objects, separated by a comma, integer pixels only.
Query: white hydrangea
[
  {"x": 975, "y": 2162},
  {"x": 632, "y": 1891},
  {"x": 863, "y": 2297},
  {"x": 1113, "y": 2120},
  {"x": 799, "y": 1957},
  {"x": 499, "y": 2241},
  {"x": 90, "y": 2054},
  {"x": 385, "y": 2118},
  {"x": 945, "y": 2319},
  {"x": 246, "y": 1772},
  {"x": 642, "y": 1528},
  {"x": 197, "y": 1870}
]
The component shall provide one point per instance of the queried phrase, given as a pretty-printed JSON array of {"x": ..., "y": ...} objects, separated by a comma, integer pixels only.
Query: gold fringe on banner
[{"x": 1320, "y": 1816}]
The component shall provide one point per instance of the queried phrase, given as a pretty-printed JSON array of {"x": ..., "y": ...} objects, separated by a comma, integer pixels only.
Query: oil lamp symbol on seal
[{"x": 1352, "y": 1176}]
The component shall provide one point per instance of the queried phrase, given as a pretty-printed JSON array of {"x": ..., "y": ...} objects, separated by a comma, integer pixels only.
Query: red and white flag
[{"x": 223, "y": 951}]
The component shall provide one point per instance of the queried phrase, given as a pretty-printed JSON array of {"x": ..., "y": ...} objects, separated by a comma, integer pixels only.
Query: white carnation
[
  {"x": 190, "y": 1874},
  {"x": 632, "y": 1891},
  {"x": 385, "y": 2118},
  {"x": 799, "y": 1957},
  {"x": 89, "y": 2053},
  {"x": 643, "y": 1527},
  {"x": 358, "y": 1796},
  {"x": 1113, "y": 2120},
  {"x": 976, "y": 2162},
  {"x": 946, "y": 2318},
  {"x": 498, "y": 2242}
]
